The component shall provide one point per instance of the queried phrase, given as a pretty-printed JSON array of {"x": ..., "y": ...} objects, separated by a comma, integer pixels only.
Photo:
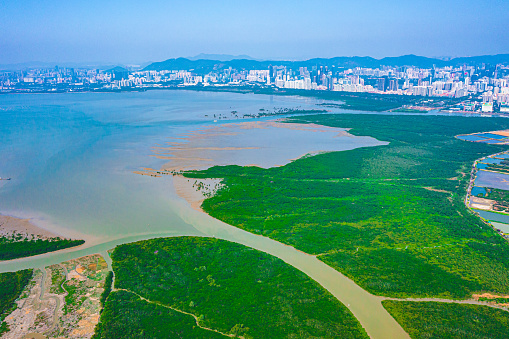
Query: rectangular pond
[
  {"x": 491, "y": 179},
  {"x": 471, "y": 138},
  {"x": 491, "y": 216},
  {"x": 491, "y": 161},
  {"x": 492, "y": 136},
  {"x": 491, "y": 141},
  {"x": 501, "y": 226}
]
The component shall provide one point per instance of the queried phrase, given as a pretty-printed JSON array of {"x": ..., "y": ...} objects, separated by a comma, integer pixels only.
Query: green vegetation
[
  {"x": 501, "y": 196},
  {"x": 72, "y": 299},
  {"x": 11, "y": 286},
  {"x": 14, "y": 248},
  {"x": 409, "y": 110},
  {"x": 126, "y": 316},
  {"x": 391, "y": 217},
  {"x": 444, "y": 320},
  {"x": 107, "y": 288},
  {"x": 349, "y": 100},
  {"x": 228, "y": 287},
  {"x": 284, "y": 111},
  {"x": 496, "y": 300},
  {"x": 57, "y": 279}
]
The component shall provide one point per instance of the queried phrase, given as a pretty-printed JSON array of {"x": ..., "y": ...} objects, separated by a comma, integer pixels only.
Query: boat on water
[{"x": 5, "y": 178}]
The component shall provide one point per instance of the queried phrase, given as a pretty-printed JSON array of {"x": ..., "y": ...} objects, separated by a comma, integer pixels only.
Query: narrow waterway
[{"x": 366, "y": 307}]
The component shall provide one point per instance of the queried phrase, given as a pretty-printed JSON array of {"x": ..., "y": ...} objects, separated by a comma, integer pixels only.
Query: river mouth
[{"x": 73, "y": 160}]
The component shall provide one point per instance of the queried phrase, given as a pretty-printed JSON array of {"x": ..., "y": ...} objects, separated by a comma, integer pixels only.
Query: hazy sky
[{"x": 136, "y": 31}]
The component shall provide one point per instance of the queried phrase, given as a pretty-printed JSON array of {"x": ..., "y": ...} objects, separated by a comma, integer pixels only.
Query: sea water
[{"x": 71, "y": 157}]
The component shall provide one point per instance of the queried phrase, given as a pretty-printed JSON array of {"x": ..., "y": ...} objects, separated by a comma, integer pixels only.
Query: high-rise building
[{"x": 393, "y": 85}]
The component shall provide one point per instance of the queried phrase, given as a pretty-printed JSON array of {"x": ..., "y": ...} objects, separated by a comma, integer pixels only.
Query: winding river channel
[{"x": 72, "y": 159}]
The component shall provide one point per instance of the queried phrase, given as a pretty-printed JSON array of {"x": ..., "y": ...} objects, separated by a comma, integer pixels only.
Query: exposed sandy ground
[
  {"x": 42, "y": 307},
  {"x": 491, "y": 296},
  {"x": 10, "y": 226},
  {"x": 199, "y": 150},
  {"x": 299, "y": 127},
  {"x": 481, "y": 203},
  {"x": 504, "y": 133},
  {"x": 194, "y": 191}
]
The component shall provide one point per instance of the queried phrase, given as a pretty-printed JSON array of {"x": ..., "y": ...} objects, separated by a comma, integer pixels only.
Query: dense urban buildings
[{"x": 485, "y": 87}]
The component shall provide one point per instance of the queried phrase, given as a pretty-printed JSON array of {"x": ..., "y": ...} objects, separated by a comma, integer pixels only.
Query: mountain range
[{"x": 208, "y": 65}]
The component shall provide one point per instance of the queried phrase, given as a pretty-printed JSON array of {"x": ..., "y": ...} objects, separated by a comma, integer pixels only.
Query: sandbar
[{"x": 10, "y": 226}]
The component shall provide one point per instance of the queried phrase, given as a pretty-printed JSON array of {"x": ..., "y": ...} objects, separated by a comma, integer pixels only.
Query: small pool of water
[
  {"x": 470, "y": 137},
  {"x": 478, "y": 190}
]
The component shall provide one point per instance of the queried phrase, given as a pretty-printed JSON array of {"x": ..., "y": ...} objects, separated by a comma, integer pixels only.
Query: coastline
[
  {"x": 195, "y": 191},
  {"x": 200, "y": 150},
  {"x": 10, "y": 226},
  {"x": 263, "y": 144}
]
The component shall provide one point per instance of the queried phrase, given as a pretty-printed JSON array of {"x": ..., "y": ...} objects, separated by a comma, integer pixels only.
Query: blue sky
[{"x": 136, "y": 31}]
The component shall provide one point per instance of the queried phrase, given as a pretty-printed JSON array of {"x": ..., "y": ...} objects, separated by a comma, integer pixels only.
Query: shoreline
[
  {"x": 11, "y": 225},
  {"x": 252, "y": 143},
  {"x": 195, "y": 191}
]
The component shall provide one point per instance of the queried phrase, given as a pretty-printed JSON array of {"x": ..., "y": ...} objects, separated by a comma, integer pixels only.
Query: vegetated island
[
  {"x": 391, "y": 217},
  {"x": 211, "y": 288},
  {"x": 19, "y": 238}
]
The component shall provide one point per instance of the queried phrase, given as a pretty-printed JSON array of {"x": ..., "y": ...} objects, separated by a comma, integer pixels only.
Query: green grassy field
[
  {"x": 11, "y": 286},
  {"x": 424, "y": 320},
  {"x": 391, "y": 217},
  {"x": 229, "y": 287}
]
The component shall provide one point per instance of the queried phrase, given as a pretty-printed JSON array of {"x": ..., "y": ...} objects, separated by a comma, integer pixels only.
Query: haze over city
[{"x": 137, "y": 32}]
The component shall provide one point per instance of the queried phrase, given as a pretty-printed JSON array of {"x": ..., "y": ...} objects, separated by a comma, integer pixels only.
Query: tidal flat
[{"x": 72, "y": 159}]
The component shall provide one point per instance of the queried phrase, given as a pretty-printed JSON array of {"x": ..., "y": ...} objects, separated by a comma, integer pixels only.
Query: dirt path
[
  {"x": 177, "y": 310},
  {"x": 450, "y": 301}
]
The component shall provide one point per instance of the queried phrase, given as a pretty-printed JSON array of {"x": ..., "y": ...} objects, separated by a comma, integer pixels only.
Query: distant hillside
[
  {"x": 489, "y": 59},
  {"x": 220, "y": 57},
  {"x": 207, "y": 65}
]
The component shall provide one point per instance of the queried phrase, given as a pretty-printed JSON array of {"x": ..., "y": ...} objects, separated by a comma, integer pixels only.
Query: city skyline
[{"x": 128, "y": 32}]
